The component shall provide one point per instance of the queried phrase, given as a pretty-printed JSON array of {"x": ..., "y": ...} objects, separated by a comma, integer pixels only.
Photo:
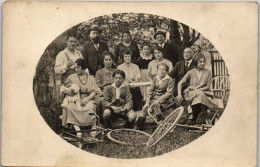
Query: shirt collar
[
  {"x": 67, "y": 50},
  {"x": 128, "y": 65},
  {"x": 114, "y": 85},
  {"x": 166, "y": 77},
  {"x": 162, "y": 45},
  {"x": 189, "y": 61}
]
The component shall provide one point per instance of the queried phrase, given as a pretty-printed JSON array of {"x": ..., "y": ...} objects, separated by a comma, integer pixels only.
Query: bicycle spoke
[{"x": 165, "y": 126}]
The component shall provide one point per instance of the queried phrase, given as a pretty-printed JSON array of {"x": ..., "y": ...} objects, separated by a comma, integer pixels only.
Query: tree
[{"x": 182, "y": 39}]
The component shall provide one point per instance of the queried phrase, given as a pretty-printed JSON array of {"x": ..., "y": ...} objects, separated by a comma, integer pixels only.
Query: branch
[
  {"x": 193, "y": 34},
  {"x": 193, "y": 38},
  {"x": 186, "y": 36}
]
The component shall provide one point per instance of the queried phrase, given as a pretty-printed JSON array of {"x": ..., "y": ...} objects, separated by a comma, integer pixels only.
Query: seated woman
[
  {"x": 159, "y": 94},
  {"x": 152, "y": 67},
  {"x": 133, "y": 74},
  {"x": 104, "y": 76},
  {"x": 118, "y": 101},
  {"x": 198, "y": 93},
  {"x": 88, "y": 90}
]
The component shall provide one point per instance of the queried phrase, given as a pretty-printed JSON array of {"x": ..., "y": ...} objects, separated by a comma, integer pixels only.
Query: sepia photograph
[{"x": 129, "y": 84}]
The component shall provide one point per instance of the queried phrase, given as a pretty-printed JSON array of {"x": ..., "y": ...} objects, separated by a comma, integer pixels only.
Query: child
[
  {"x": 118, "y": 100},
  {"x": 159, "y": 94},
  {"x": 71, "y": 94}
]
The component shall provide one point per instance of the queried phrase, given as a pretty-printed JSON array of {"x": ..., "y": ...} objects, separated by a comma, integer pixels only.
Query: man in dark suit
[
  {"x": 182, "y": 67},
  {"x": 93, "y": 49},
  {"x": 169, "y": 51}
]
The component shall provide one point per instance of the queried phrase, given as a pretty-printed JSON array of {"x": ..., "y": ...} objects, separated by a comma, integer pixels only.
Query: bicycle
[
  {"x": 165, "y": 126},
  {"x": 121, "y": 136}
]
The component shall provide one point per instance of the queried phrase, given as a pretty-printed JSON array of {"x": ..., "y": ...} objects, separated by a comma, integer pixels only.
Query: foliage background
[{"x": 142, "y": 28}]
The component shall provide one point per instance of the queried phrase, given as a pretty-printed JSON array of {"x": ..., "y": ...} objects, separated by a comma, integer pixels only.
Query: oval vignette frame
[{"x": 142, "y": 28}]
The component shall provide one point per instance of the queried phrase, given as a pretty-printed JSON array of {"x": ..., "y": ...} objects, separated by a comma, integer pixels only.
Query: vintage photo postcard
[{"x": 129, "y": 84}]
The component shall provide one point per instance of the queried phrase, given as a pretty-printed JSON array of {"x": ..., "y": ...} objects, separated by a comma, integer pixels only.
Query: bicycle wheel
[
  {"x": 164, "y": 127},
  {"x": 128, "y": 136}
]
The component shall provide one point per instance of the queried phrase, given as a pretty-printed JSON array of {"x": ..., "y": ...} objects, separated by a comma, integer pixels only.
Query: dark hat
[
  {"x": 94, "y": 27},
  {"x": 159, "y": 32}
]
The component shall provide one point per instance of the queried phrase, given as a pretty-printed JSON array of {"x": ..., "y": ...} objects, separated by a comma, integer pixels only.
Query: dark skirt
[{"x": 137, "y": 98}]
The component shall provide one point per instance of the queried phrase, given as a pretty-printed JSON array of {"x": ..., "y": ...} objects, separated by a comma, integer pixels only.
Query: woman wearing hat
[
  {"x": 126, "y": 44},
  {"x": 169, "y": 51},
  {"x": 93, "y": 49}
]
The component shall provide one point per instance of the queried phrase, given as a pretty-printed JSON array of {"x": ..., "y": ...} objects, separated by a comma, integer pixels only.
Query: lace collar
[
  {"x": 145, "y": 57},
  {"x": 166, "y": 77}
]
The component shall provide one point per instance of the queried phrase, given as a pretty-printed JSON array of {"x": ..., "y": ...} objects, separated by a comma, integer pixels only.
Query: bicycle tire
[
  {"x": 167, "y": 124},
  {"x": 128, "y": 136}
]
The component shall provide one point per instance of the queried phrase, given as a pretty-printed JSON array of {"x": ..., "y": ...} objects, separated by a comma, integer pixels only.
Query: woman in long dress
[
  {"x": 198, "y": 94},
  {"x": 84, "y": 116}
]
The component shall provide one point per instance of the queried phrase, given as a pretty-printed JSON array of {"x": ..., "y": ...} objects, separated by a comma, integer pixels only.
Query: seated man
[
  {"x": 181, "y": 68},
  {"x": 118, "y": 101},
  {"x": 178, "y": 72}
]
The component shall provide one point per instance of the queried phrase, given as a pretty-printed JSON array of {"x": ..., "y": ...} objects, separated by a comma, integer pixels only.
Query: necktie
[
  {"x": 96, "y": 46},
  {"x": 186, "y": 66}
]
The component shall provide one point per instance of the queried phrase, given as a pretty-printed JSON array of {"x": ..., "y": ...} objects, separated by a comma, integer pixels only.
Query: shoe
[
  {"x": 200, "y": 122},
  {"x": 190, "y": 122},
  {"x": 79, "y": 145},
  {"x": 139, "y": 123},
  {"x": 127, "y": 124},
  {"x": 79, "y": 135},
  {"x": 159, "y": 118},
  {"x": 108, "y": 124},
  {"x": 183, "y": 120}
]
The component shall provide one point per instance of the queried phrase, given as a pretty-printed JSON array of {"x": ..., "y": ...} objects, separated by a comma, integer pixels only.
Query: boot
[
  {"x": 127, "y": 124},
  {"x": 159, "y": 118},
  {"x": 202, "y": 116},
  {"x": 108, "y": 124},
  {"x": 139, "y": 123}
]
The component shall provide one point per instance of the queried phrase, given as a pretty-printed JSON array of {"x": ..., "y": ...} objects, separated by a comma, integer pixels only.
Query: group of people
[{"x": 97, "y": 80}]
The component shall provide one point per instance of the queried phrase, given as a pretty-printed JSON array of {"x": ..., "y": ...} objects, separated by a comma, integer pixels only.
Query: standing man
[
  {"x": 169, "y": 51},
  {"x": 93, "y": 50},
  {"x": 64, "y": 64},
  {"x": 182, "y": 67}
]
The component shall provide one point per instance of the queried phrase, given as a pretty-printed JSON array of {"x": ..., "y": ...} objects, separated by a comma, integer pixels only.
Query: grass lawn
[{"x": 172, "y": 141}]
